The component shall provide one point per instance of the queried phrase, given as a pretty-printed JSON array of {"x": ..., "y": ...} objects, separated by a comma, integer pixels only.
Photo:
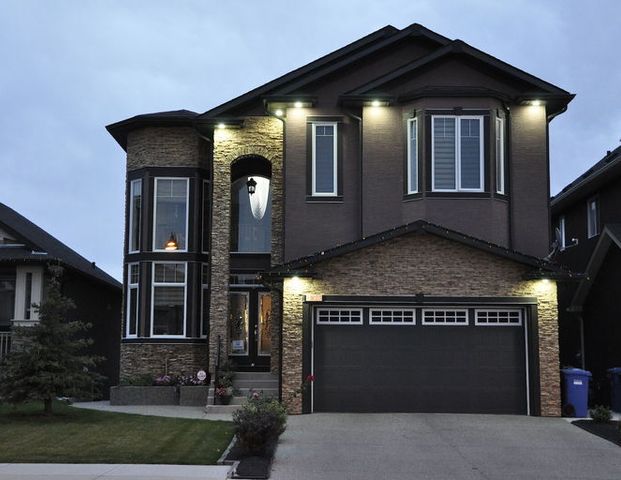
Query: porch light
[
  {"x": 297, "y": 104},
  {"x": 375, "y": 103},
  {"x": 252, "y": 186},
  {"x": 279, "y": 113},
  {"x": 221, "y": 126},
  {"x": 171, "y": 244},
  {"x": 536, "y": 103}
]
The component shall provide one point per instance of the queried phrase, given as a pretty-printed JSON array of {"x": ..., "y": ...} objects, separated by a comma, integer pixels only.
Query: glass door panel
[
  {"x": 238, "y": 322},
  {"x": 264, "y": 337}
]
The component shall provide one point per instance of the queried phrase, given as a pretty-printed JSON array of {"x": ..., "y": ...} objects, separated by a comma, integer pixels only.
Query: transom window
[
  {"x": 169, "y": 294},
  {"x": 457, "y": 153},
  {"x": 339, "y": 316},
  {"x": 170, "y": 226},
  {"x": 412, "y": 156},
  {"x": 444, "y": 316},
  {"x": 324, "y": 159},
  {"x": 392, "y": 316},
  {"x": 499, "y": 317}
]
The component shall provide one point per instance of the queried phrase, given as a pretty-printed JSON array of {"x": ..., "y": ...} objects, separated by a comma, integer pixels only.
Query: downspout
[
  {"x": 508, "y": 164},
  {"x": 361, "y": 176}
]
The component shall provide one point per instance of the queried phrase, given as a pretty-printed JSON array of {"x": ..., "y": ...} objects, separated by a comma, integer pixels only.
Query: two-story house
[
  {"x": 587, "y": 216},
  {"x": 26, "y": 252},
  {"x": 376, "y": 218}
]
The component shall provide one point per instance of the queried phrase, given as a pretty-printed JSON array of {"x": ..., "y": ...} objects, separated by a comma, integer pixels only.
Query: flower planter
[
  {"x": 135, "y": 395},
  {"x": 224, "y": 399},
  {"x": 193, "y": 396}
]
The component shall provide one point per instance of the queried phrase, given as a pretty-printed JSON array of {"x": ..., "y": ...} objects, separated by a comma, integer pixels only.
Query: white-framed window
[
  {"x": 457, "y": 153},
  {"x": 561, "y": 229},
  {"x": 170, "y": 213},
  {"x": 498, "y": 317},
  {"x": 412, "y": 167},
  {"x": 338, "y": 316},
  {"x": 324, "y": 159},
  {"x": 392, "y": 316},
  {"x": 132, "y": 301},
  {"x": 445, "y": 316},
  {"x": 204, "y": 299},
  {"x": 592, "y": 218},
  {"x": 168, "y": 305},
  {"x": 500, "y": 156},
  {"x": 135, "y": 213}
]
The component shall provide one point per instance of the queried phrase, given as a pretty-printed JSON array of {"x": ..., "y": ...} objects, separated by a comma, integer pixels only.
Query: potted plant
[
  {"x": 224, "y": 395},
  {"x": 224, "y": 384}
]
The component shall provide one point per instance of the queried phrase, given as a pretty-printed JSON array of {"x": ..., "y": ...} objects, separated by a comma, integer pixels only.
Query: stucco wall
[{"x": 425, "y": 264}]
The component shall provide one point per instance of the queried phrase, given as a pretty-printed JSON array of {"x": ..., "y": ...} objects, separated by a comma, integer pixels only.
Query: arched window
[{"x": 251, "y": 206}]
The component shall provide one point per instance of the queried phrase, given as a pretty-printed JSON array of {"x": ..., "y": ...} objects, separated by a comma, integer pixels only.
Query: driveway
[{"x": 439, "y": 446}]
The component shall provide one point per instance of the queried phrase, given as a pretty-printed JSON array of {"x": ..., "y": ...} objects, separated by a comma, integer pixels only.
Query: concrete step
[
  {"x": 268, "y": 392},
  {"x": 256, "y": 384},
  {"x": 256, "y": 375},
  {"x": 234, "y": 401}
]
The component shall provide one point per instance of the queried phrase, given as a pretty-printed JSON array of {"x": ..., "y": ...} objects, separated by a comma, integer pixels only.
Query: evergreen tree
[{"x": 50, "y": 358}]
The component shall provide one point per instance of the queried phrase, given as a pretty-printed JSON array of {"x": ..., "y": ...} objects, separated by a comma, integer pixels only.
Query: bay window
[
  {"x": 457, "y": 153},
  {"x": 133, "y": 282},
  {"x": 135, "y": 209},
  {"x": 412, "y": 166},
  {"x": 169, "y": 299},
  {"x": 324, "y": 159},
  {"x": 170, "y": 225}
]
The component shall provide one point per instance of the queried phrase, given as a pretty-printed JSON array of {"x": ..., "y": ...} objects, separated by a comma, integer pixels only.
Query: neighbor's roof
[
  {"x": 611, "y": 235},
  {"x": 303, "y": 265},
  {"x": 602, "y": 172},
  {"x": 39, "y": 246}
]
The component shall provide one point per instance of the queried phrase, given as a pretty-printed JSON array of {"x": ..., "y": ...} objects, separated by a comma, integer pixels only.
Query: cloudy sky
[{"x": 71, "y": 67}]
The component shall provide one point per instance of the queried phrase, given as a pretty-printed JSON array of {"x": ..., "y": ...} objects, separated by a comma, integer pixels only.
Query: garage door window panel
[
  {"x": 445, "y": 316},
  {"x": 339, "y": 316},
  {"x": 390, "y": 316},
  {"x": 499, "y": 318}
]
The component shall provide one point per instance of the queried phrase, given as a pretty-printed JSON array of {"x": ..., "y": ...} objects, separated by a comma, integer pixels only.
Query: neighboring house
[
  {"x": 587, "y": 214},
  {"x": 376, "y": 218},
  {"x": 25, "y": 253}
]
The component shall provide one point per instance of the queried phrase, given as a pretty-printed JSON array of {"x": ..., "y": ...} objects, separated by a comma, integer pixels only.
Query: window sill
[
  {"x": 324, "y": 199},
  {"x": 459, "y": 194},
  {"x": 408, "y": 197}
]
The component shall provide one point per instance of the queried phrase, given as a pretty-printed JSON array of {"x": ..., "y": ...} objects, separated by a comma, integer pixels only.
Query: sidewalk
[
  {"x": 174, "y": 411},
  {"x": 46, "y": 471}
]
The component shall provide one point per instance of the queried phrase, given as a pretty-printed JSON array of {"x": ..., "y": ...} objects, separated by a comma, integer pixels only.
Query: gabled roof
[
  {"x": 38, "y": 246},
  {"x": 172, "y": 118},
  {"x": 603, "y": 171},
  {"x": 328, "y": 64},
  {"x": 459, "y": 47},
  {"x": 610, "y": 237},
  {"x": 303, "y": 265}
]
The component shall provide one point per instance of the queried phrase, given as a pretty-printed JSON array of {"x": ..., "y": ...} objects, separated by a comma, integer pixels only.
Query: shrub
[
  {"x": 165, "y": 381},
  {"x": 192, "y": 380},
  {"x": 601, "y": 414},
  {"x": 143, "y": 380},
  {"x": 258, "y": 424}
]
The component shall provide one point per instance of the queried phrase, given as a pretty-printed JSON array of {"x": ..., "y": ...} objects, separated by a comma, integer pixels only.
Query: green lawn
[{"x": 75, "y": 435}]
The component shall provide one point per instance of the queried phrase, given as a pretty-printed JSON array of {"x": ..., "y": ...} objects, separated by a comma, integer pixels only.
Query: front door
[{"x": 250, "y": 325}]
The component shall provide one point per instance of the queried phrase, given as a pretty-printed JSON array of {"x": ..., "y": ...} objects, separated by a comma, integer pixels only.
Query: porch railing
[{"x": 5, "y": 344}]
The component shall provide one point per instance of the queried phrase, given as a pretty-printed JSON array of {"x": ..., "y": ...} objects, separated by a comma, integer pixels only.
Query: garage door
[{"x": 419, "y": 359}]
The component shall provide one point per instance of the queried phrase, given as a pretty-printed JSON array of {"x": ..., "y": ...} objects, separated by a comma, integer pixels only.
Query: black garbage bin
[{"x": 615, "y": 388}]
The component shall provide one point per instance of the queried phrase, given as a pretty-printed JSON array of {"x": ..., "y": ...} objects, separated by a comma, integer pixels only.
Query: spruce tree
[{"x": 50, "y": 358}]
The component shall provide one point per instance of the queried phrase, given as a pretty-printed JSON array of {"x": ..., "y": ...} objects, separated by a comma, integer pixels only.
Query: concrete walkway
[
  {"x": 440, "y": 446},
  {"x": 174, "y": 411},
  {"x": 59, "y": 471}
]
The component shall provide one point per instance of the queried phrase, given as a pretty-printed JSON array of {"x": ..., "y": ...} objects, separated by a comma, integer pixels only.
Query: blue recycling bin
[
  {"x": 576, "y": 390},
  {"x": 615, "y": 388}
]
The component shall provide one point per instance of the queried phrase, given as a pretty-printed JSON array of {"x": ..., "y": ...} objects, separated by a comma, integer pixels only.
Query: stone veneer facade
[
  {"x": 162, "y": 358},
  {"x": 259, "y": 136},
  {"x": 442, "y": 268}
]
